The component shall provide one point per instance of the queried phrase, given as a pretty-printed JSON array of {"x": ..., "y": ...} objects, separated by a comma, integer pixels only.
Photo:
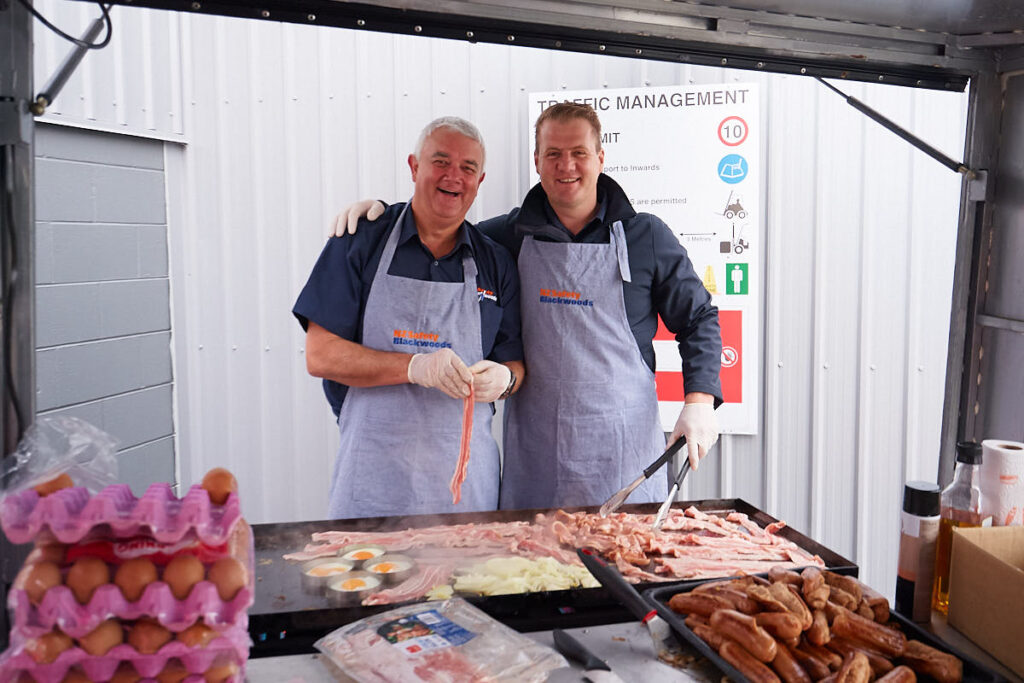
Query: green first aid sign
[{"x": 736, "y": 280}]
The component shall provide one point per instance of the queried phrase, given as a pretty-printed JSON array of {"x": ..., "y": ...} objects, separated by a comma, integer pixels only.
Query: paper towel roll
[{"x": 1002, "y": 481}]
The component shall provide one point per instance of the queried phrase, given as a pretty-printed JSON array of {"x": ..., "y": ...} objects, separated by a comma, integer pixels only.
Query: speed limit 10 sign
[{"x": 732, "y": 131}]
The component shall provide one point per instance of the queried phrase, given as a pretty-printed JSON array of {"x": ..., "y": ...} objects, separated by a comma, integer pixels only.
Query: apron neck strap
[{"x": 618, "y": 239}]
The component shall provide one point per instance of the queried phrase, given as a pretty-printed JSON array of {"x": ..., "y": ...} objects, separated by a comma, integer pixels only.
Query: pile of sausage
[{"x": 811, "y": 626}]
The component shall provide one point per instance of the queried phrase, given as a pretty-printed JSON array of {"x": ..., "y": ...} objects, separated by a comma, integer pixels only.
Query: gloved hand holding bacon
[{"x": 811, "y": 626}]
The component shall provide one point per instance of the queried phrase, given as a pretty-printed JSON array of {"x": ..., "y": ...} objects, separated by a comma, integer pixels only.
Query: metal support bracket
[
  {"x": 977, "y": 186},
  {"x": 15, "y": 122}
]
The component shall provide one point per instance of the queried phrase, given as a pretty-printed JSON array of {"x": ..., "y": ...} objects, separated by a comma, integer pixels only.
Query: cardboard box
[{"x": 986, "y": 590}]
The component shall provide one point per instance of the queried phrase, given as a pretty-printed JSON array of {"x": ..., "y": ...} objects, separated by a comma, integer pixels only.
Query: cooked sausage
[
  {"x": 695, "y": 620},
  {"x": 901, "y": 674},
  {"x": 880, "y": 665},
  {"x": 878, "y": 603},
  {"x": 831, "y": 659},
  {"x": 817, "y": 668},
  {"x": 788, "y": 668},
  {"x": 847, "y": 583},
  {"x": 782, "y": 625},
  {"x": 855, "y": 669},
  {"x": 814, "y": 588},
  {"x": 744, "y": 630},
  {"x": 697, "y": 603},
  {"x": 943, "y": 667},
  {"x": 784, "y": 575},
  {"x": 789, "y": 596},
  {"x": 818, "y": 633},
  {"x": 856, "y": 627},
  {"x": 842, "y": 598},
  {"x": 709, "y": 635},
  {"x": 746, "y": 663}
]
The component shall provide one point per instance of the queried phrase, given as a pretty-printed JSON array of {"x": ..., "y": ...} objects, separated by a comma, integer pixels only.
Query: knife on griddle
[
  {"x": 616, "y": 501},
  {"x": 663, "y": 510},
  {"x": 595, "y": 669},
  {"x": 665, "y": 644}
]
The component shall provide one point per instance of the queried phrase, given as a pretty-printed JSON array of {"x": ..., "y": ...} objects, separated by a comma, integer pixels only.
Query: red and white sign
[
  {"x": 732, "y": 131},
  {"x": 670, "y": 379}
]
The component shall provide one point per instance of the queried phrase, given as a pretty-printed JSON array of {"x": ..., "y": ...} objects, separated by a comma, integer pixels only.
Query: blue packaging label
[{"x": 423, "y": 632}]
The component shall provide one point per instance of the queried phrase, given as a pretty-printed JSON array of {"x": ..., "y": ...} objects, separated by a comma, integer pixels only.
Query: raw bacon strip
[
  {"x": 467, "y": 435},
  {"x": 414, "y": 587}
]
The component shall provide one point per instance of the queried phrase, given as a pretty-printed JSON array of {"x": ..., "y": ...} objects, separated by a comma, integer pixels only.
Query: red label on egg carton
[{"x": 120, "y": 550}]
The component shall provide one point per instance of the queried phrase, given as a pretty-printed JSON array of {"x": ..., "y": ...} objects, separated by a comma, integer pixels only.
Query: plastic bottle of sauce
[
  {"x": 919, "y": 529},
  {"x": 961, "y": 506}
]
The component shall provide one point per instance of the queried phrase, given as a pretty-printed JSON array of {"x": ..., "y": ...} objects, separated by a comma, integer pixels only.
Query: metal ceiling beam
[{"x": 661, "y": 31}]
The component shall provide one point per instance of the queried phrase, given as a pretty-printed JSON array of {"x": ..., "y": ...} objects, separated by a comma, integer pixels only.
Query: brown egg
[
  {"x": 47, "y": 647},
  {"x": 173, "y": 672},
  {"x": 126, "y": 673},
  {"x": 75, "y": 675},
  {"x": 219, "y": 674},
  {"x": 197, "y": 635},
  {"x": 229, "y": 576},
  {"x": 101, "y": 639},
  {"x": 49, "y": 553},
  {"x": 219, "y": 483},
  {"x": 62, "y": 481},
  {"x": 183, "y": 572},
  {"x": 147, "y": 636},
  {"x": 133, "y": 576},
  {"x": 85, "y": 576},
  {"x": 41, "y": 578}
]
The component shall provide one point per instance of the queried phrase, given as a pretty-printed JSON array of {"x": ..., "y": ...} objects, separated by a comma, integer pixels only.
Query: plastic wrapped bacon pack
[{"x": 437, "y": 642}]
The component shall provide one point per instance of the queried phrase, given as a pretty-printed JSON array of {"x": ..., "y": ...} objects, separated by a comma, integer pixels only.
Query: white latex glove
[
  {"x": 348, "y": 218},
  {"x": 441, "y": 370},
  {"x": 490, "y": 380},
  {"x": 699, "y": 424}
]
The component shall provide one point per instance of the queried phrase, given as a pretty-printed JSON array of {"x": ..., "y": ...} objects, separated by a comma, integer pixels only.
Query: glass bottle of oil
[{"x": 960, "y": 507}]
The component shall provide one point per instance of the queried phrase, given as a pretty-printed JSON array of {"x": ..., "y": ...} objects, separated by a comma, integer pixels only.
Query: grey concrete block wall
[{"x": 103, "y": 327}]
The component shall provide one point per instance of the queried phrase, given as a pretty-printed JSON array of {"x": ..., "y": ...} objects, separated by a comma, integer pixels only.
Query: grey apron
[
  {"x": 586, "y": 422},
  {"x": 400, "y": 444}
]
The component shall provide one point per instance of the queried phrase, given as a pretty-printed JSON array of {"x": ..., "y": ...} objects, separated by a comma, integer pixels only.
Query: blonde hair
[{"x": 564, "y": 112}]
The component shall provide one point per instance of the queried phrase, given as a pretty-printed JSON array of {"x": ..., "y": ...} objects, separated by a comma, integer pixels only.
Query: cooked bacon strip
[{"x": 467, "y": 435}]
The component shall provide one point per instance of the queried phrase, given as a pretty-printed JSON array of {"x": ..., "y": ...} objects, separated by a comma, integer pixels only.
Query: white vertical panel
[
  {"x": 131, "y": 86},
  {"x": 287, "y": 124}
]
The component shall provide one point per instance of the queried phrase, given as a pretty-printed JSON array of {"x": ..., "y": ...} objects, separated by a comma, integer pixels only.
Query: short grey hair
[{"x": 453, "y": 123}]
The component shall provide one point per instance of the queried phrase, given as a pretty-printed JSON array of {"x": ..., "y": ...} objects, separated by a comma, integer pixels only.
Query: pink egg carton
[
  {"x": 230, "y": 647},
  {"x": 59, "y": 608},
  {"x": 70, "y": 514}
]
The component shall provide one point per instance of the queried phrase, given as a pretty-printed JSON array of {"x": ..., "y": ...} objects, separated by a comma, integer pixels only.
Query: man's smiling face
[
  {"x": 447, "y": 175},
  {"x": 569, "y": 163}
]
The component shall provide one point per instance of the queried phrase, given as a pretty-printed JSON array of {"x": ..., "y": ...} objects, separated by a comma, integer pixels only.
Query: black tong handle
[{"x": 664, "y": 458}]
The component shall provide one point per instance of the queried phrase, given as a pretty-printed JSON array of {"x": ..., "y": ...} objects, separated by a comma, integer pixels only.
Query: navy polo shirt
[
  {"x": 335, "y": 294},
  {"x": 663, "y": 281}
]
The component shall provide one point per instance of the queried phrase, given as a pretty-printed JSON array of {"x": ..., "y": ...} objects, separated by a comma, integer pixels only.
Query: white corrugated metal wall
[{"x": 285, "y": 124}]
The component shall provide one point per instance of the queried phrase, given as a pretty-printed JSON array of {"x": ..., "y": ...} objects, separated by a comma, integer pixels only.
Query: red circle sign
[
  {"x": 729, "y": 357},
  {"x": 732, "y": 131}
]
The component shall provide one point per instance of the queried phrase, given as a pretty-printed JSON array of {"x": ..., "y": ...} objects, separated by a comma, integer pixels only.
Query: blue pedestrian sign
[{"x": 732, "y": 168}]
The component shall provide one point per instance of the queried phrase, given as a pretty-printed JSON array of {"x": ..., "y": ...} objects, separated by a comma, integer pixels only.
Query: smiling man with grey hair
[{"x": 404, "y": 320}]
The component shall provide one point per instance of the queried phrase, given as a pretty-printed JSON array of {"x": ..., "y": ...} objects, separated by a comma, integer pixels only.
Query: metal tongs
[
  {"x": 663, "y": 510},
  {"x": 616, "y": 501}
]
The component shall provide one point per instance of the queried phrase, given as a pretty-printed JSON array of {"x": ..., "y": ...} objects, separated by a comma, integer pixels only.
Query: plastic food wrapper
[
  {"x": 56, "y": 445},
  {"x": 58, "y": 607},
  {"x": 438, "y": 642}
]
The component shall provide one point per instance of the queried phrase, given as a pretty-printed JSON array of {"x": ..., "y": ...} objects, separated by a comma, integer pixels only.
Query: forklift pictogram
[
  {"x": 733, "y": 209},
  {"x": 737, "y": 244}
]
